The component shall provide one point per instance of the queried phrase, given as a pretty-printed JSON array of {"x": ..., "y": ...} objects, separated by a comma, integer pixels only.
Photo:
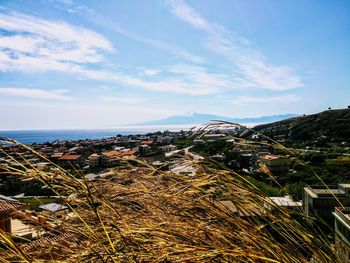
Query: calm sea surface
[{"x": 41, "y": 136}]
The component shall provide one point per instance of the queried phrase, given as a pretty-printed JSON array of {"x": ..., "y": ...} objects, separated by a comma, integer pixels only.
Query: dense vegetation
[{"x": 321, "y": 128}]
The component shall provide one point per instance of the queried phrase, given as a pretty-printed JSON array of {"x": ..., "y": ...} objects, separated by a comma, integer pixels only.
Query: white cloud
[
  {"x": 182, "y": 79},
  {"x": 151, "y": 72},
  {"x": 35, "y": 93},
  {"x": 178, "y": 52},
  {"x": 189, "y": 15},
  {"x": 174, "y": 84},
  {"x": 250, "y": 64},
  {"x": 123, "y": 100},
  {"x": 201, "y": 77},
  {"x": 246, "y": 100},
  {"x": 36, "y": 44},
  {"x": 175, "y": 51}
]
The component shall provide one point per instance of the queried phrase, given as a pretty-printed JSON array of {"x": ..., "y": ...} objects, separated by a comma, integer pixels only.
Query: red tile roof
[
  {"x": 146, "y": 142},
  {"x": 69, "y": 157},
  {"x": 111, "y": 153},
  {"x": 44, "y": 242},
  {"x": 7, "y": 207},
  {"x": 56, "y": 155},
  {"x": 129, "y": 152}
]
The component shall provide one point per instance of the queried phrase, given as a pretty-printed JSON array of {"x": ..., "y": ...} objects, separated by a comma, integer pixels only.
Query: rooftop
[
  {"x": 69, "y": 157},
  {"x": 330, "y": 190},
  {"x": 47, "y": 241},
  {"x": 53, "y": 207},
  {"x": 285, "y": 201},
  {"x": 215, "y": 135},
  {"x": 269, "y": 157},
  {"x": 9, "y": 205},
  {"x": 111, "y": 153},
  {"x": 56, "y": 155}
]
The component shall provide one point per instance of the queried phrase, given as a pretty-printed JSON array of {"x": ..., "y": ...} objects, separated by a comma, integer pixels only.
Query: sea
[{"x": 42, "y": 136}]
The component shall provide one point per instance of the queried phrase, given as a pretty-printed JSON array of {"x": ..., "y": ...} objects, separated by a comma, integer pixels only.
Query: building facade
[
  {"x": 320, "y": 201},
  {"x": 342, "y": 233},
  {"x": 275, "y": 163}
]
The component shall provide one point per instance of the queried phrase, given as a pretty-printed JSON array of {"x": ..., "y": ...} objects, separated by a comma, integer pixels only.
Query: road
[{"x": 193, "y": 155}]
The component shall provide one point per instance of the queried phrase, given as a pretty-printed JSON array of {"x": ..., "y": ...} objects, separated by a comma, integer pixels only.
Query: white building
[{"x": 168, "y": 148}]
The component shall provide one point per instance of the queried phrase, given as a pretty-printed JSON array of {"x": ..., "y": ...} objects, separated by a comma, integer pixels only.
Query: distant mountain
[
  {"x": 326, "y": 126},
  {"x": 199, "y": 118}
]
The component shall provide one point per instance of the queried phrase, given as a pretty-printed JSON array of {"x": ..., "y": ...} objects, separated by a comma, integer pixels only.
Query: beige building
[
  {"x": 94, "y": 160},
  {"x": 275, "y": 163},
  {"x": 144, "y": 149},
  {"x": 320, "y": 201},
  {"x": 168, "y": 148},
  {"x": 110, "y": 158},
  {"x": 8, "y": 208}
]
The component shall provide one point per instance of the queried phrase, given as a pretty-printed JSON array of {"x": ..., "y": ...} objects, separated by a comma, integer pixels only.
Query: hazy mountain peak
[{"x": 200, "y": 118}]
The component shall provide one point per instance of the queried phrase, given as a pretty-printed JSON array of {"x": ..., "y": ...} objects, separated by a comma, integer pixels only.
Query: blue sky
[{"x": 98, "y": 64}]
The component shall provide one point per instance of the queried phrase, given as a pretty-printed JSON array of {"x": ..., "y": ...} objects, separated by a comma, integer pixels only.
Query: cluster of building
[
  {"x": 251, "y": 155},
  {"x": 94, "y": 153},
  {"x": 326, "y": 207},
  {"x": 90, "y": 157}
]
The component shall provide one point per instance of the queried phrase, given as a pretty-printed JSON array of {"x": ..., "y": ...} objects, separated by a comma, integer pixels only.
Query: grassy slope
[{"x": 335, "y": 124}]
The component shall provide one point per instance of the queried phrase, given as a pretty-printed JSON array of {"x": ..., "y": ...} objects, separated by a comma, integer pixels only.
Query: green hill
[{"x": 326, "y": 126}]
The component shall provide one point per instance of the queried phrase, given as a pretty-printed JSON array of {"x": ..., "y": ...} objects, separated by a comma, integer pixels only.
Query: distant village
[{"x": 24, "y": 204}]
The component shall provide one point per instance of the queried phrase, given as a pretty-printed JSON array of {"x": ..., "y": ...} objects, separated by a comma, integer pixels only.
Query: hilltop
[{"x": 326, "y": 126}]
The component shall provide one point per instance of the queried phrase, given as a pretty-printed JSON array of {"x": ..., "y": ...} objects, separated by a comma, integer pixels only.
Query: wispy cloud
[
  {"x": 249, "y": 100},
  {"x": 34, "y": 44},
  {"x": 189, "y": 15},
  {"x": 183, "y": 79},
  {"x": 251, "y": 65},
  {"x": 38, "y": 45},
  {"x": 73, "y": 7},
  {"x": 159, "y": 44},
  {"x": 123, "y": 100},
  {"x": 35, "y": 93},
  {"x": 201, "y": 77},
  {"x": 151, "y": 72}
]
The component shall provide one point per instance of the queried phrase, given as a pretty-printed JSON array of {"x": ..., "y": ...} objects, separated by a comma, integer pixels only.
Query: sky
[{"x": 101, "y": 64}]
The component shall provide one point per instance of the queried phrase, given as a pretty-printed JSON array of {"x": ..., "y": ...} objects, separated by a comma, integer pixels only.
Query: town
[{"x": 28, "y": 206}]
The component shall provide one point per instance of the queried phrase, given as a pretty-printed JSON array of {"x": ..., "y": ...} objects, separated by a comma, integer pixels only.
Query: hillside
[{"x": 326, "y": 126}]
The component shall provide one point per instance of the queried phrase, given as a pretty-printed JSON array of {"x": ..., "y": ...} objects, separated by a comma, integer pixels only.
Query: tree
[{"x": 329, "y": 108}]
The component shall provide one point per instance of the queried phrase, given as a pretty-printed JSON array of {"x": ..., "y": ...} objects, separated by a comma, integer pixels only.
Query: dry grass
[{"x": 145, "y": 215}]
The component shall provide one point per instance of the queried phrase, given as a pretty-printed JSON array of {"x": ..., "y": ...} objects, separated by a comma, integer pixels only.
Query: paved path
[{"x": 193, "y": 155}]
